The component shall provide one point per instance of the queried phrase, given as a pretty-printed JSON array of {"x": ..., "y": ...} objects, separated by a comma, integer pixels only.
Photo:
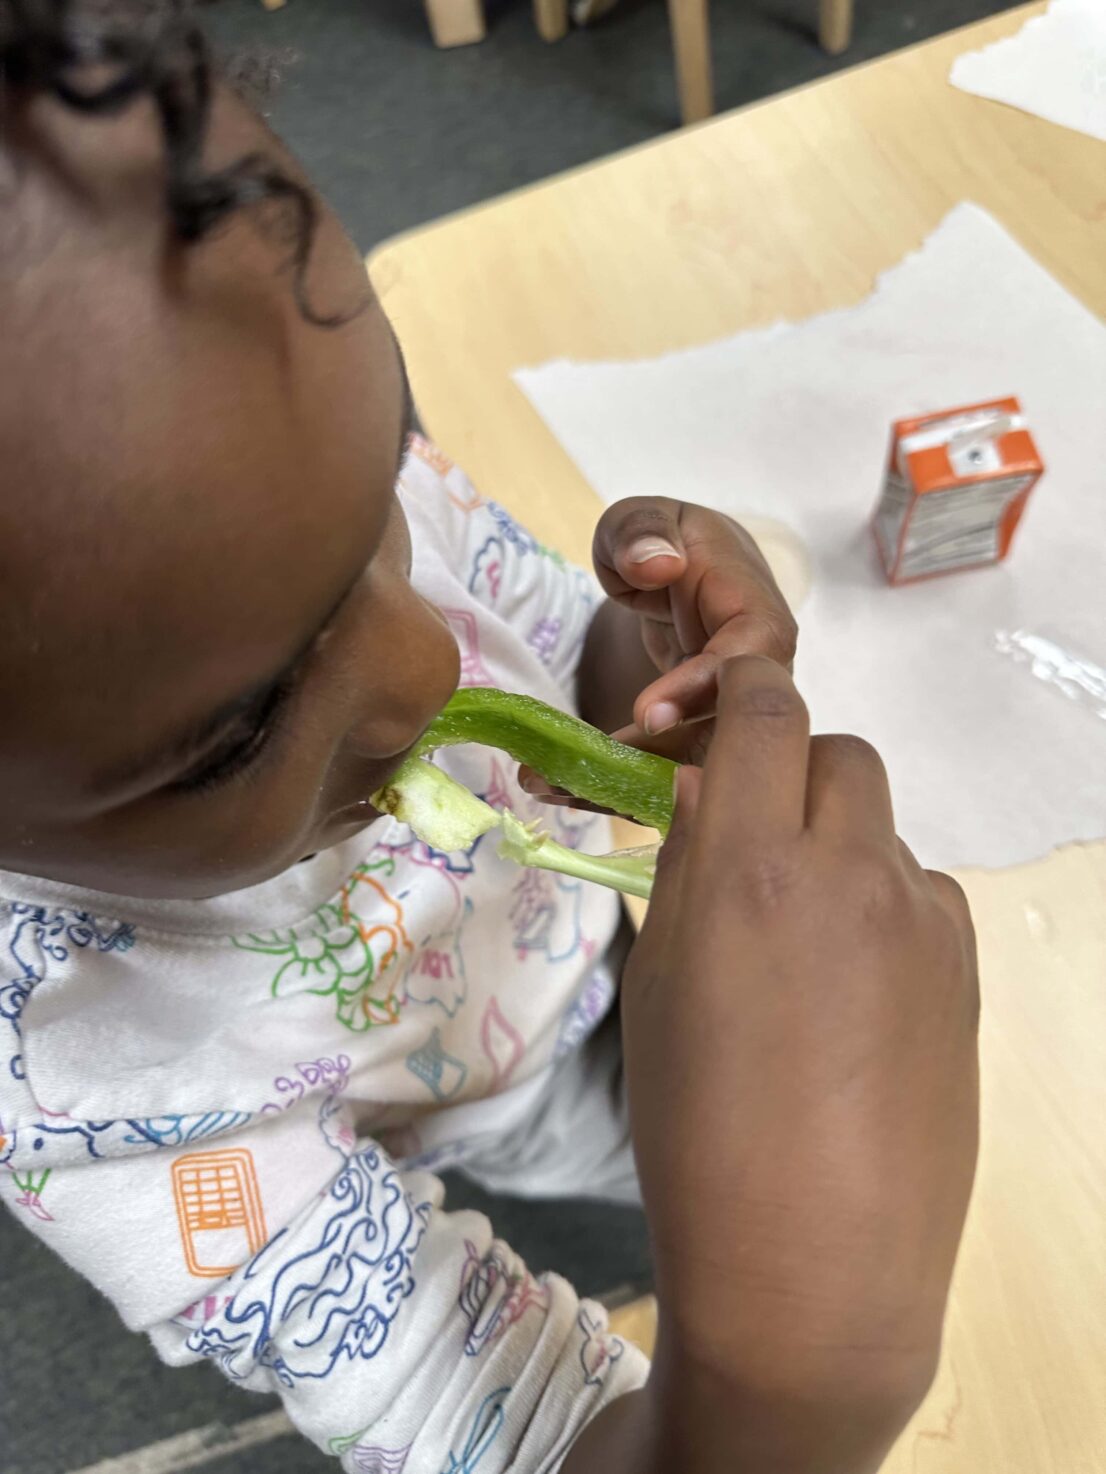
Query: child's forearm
[{"x": 614, "y": 668}]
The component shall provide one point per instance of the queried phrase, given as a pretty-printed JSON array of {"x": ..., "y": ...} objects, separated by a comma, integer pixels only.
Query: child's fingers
[
  {"x": 849, "y": 793},
  {"x": 950, "y": 895},
  {"x": 687, "y": 743},
  {"x": 638, "y": 545},
  {"x": 559, "y": 798},
  {"x": 684, "y": 694},
  {"x": 755, "y": 779},
  {"x": 689, "y": 691}
]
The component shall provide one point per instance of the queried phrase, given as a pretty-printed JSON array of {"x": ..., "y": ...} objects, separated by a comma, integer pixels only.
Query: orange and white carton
[{"x": 955, "y": 489}]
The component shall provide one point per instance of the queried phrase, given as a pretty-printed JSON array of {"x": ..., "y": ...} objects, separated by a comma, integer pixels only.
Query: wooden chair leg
[
  {"x": 835, "y": 25},
  {"x": 455, "y": 22},
  {"x": 551, "y": 18},
  {"x": 690, "y": 21}
]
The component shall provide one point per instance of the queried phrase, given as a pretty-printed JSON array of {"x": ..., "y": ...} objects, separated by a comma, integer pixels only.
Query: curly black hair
[{"x": 153, "y": 48}]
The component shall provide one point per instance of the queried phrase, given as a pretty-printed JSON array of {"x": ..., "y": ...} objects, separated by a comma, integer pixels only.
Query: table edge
[{"x": 1023, "y": 13}]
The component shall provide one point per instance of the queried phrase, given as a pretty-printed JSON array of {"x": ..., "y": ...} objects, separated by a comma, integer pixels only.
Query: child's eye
[{"x": 240, "y": 747}]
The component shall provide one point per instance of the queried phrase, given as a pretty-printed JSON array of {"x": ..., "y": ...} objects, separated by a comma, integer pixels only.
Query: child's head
[{"x": 210, "y": 653}]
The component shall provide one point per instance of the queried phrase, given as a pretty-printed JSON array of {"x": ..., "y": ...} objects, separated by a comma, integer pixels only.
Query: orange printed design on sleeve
[
  {"x": 219, "y": 1210},
  {"x": 430, "y": 455},
  {"x": 459, "y": 490}
]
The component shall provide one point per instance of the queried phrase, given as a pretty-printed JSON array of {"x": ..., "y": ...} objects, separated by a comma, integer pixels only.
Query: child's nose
[{"x": 417, "y": 668}]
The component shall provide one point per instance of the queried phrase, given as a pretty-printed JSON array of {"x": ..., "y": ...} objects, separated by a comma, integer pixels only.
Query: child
[{"x": 243, "y": 1015}]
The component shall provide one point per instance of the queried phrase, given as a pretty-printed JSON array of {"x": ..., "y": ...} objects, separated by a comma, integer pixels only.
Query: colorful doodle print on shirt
[
  {"x": 544, "y": 637},
  {"x": 600, "y": 1350},
  {"x": 442, "y": 1073},
  {"x": 545, "y": 915},
  {"x": 486, "y": 578},
  {"x": 65, "y": 1139},
  {"x": 585, "y": 1013},
  {"x": 545, "y": 909},
  {"x": 458, "y": 488},
  {"x": 487, "y": 1424},
  {"x": 184, "y": 1130},
  {"x": 204, "y": 1308},
  {"x": 338, "y": 954},
  {"x": 503, "y": 1045},
  {"x": 30, "y": 1186},
  {"x": 41, "y": 936},
  {"x": 473, "y": 670},
  {"x": 370, "y": 1458},
  {"x": 219, "y": 1210},
  {"x": 335, "y": 1121},
  {"x": 494, "y": 1296},
  {"x": 302, "y": 1314},
  {"x": 331, "y": 1075},
  {"x": 437, "y": 971},
  {"x": 510, "y": 530},
  {"x": 429, "y": 454},
  {"x": 435, "y": 968}
]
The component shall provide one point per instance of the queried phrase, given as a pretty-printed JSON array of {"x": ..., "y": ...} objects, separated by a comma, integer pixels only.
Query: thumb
[{"x": 638, "y": 545}]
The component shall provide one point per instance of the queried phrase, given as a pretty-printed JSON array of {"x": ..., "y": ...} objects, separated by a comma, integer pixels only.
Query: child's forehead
[
  {"x": 160, "y": 604},
  {"x": 195, "y": 545},
  {"x": 186, "y": 460},
  {"x": 184, "y": 492}
]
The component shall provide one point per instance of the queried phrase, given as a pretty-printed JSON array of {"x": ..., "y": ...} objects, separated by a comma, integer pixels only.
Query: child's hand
[
  {"x": 688, "y": 589},
  {"x": 702, "y": 593},
  {"x": 799, "y": 1017}
]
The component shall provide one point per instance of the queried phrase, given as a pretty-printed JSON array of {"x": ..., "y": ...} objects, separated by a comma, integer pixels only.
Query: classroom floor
[{"x": 397, "y": 133}]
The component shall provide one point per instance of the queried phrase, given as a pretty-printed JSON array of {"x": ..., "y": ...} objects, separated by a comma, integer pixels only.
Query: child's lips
[
  {"x": 351, "y": 818},
  {"x": 361, "y": 812}
]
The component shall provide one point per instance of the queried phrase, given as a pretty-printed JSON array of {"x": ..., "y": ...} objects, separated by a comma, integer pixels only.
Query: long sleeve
[
  {"x": 392, "y": 1330},
  {"x": 193, "y": 1093}
]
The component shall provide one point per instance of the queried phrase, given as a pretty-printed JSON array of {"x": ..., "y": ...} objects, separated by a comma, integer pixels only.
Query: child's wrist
[
  {"x": 812, "y": 1414},
  {"x": 703, "y": 1418}
]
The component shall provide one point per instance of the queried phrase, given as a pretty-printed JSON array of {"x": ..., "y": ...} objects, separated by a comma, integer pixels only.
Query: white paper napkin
[
  {"x": 996, "y": 755},
  {"x": 1055, "y": 67}
]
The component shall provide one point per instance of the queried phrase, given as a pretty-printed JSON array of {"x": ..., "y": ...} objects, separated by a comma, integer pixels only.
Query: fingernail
[
  {"x": 661, "y": 717},
  {"x": 651, "y": 547}
]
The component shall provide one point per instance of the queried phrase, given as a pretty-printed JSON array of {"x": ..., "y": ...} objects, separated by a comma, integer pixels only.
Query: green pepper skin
[{"x": 567, "y": 752}]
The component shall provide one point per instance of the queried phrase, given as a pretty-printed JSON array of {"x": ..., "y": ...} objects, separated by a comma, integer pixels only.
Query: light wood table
[{"x": 788, "y": 209}]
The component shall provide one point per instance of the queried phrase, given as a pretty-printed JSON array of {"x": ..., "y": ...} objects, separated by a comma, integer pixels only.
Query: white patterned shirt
[{"x": 223, "y": 1112}]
